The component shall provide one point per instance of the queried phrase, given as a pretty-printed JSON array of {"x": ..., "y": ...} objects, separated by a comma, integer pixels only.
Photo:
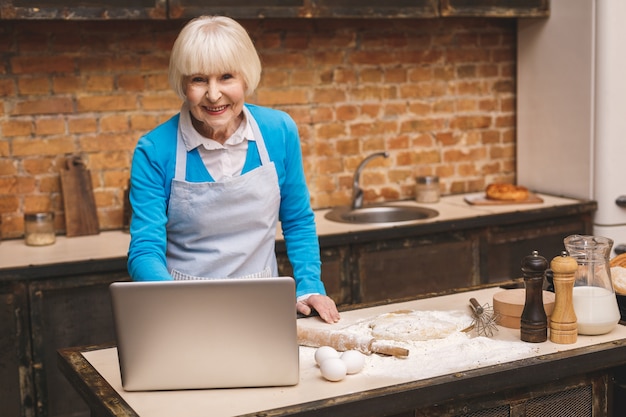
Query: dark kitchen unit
[
  {"x": 551, "y": 379},
  {"x": 54, "y": 301}
]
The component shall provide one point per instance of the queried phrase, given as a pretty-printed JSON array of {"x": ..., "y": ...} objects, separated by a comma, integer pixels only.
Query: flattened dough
[{"x": 418, "y": 325}]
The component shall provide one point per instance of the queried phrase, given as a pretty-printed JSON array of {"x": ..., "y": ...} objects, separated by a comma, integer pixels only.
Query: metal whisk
[{"x": 484, "y": 322}]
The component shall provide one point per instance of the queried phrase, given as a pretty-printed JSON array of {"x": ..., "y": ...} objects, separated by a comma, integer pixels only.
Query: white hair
[{"x": 213, "y": 45}]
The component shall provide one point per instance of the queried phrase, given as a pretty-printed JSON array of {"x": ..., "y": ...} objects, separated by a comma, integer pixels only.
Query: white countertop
[
  {"x": 452, "y": 207},
  {"x": 114, "y": 244},
  {"x": 312, "y": 387}
]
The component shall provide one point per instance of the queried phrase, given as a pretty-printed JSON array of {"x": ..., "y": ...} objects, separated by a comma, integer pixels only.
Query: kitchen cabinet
[
  {"x": 16, "y": 385},
  {"x": 246, "y": 9},
  {"x": 64, "y": 312},
  {"x": 395, "y": 269},
  {"x": 306, "y": 8},
  {"x": 83, "y": 9},
  {"x": 69, "y": 304},
  {"x": 504, "y": 247},
  {"x": 495, "y": 8}
]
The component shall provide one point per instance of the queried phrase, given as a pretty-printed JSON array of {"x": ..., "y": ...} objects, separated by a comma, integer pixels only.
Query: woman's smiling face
[{"x": 216, "y": 103}]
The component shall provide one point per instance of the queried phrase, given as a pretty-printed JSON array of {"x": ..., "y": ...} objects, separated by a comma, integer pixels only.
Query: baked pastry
[
  {"x": 506, "y": 192},
  {"x": 619, "y": 260},
  {"x": 618, "y": 273}
]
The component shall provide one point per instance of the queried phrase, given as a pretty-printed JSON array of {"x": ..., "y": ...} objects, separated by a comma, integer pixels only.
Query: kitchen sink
[{"x": 380, "y": 214}]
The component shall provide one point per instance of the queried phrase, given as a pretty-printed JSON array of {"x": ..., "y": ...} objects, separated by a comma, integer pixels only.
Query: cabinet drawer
[
  {"x": 506, "y": 246},
  {"x": 413, "y": 267}
]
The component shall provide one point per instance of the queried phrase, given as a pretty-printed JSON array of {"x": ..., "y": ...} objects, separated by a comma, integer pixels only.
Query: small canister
[
  {"x": 427, "y": 189},
  {"x": 39, "y": 229}
]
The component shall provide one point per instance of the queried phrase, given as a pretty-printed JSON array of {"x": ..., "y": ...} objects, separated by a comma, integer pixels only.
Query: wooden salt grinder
[
  {"x": 563, "y": 323},
  {"x": 534, "y": 321}
]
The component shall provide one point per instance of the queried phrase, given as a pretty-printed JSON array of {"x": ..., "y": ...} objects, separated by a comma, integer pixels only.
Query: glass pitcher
[{"x": 594, "y": 299}]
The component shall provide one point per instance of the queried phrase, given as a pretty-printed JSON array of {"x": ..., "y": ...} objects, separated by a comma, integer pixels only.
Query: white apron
[{"x": 223, "y": 229}]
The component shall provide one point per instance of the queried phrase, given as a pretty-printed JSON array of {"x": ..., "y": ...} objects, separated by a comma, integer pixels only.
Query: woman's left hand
[{"x": 324, "y": 306}]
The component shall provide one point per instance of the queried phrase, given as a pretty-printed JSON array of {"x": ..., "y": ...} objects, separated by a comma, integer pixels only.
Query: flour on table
[
  {"x": 438, "y": 348},
  {"x": 418, "y": 325}
]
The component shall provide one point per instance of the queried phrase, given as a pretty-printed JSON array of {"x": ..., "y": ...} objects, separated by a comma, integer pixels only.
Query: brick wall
[{"x": 439, "y": 95}]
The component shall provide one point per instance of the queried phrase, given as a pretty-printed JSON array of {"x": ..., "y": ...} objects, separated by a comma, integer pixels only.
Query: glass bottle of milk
[{"x": 594, "y": 299}]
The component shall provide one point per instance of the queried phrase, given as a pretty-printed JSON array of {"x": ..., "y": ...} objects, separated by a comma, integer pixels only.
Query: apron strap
[{"x": 256, "y": 131}]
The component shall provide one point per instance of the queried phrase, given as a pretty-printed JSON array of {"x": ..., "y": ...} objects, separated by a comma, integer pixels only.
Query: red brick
[
  {"x": 50, "y": 105},
  {"x": 157, "y": 82},
  {"x": 16, "y": 128},
  {"x": 52, "y": 184},
  {"x": 37, "y": 202},
  {"x": 42, "y": 64},
  {"x": 143, "y": 122},
  {"x": 160, "y": 102},
  {"x": 107, "y": 142},
  {"x": 291, "y": 96},
  {"x": 274, "y": 79},
  {"x": 40, "y": 165},
  {"x": 370, "y": 57},
  {"x": 106, "y": 103},
  {"x": 82, "y": 124},
  {"x": 471, "y": 122},
  {"x": 7, "y": 88},
  {"x": 395, "y": 75},
  {"x": 153, "y": 63},
  {"x": 328, "y": 95},
  {"x": 4, "y": 148},
  {"x": 348, "y": 147},
  {"x": 66, "y": 84},
  {"x": 131, "y": 82},
  {"x": 50, "y": 126},
  {"x": 30, "y": 147},
  {"x": 110, "y": 63},
  {"x": 284, "y": 60},
  {"x": 114, "y": 123},
  {"x": 33, "y": 85},
  {"x": 303, "y": 78},
  {"x": 98, "y": 83},
  {"x": 116, "y": 179},
  {"x": 330, "y": 165},
  {"x": 323, "y": 114},
  {"x": 422, "y": 125},
  {"x": 331, "y": 131},
  {"x": 8, "y": 203},
  {"x": 7, "y": 167},
  {"x": 347, "y": 112}
]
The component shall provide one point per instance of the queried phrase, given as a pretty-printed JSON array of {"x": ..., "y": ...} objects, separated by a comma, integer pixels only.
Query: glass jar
[
  {"x": 39, "y": 229},
  {"x": 594, "y": 299},
  {"x": 427, "y": 189}
]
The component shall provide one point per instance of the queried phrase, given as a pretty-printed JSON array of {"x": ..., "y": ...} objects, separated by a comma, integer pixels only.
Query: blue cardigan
[{"x": 152, "y": 172}]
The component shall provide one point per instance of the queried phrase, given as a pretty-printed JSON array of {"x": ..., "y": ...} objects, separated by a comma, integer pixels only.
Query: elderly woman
[{"x": 209, "y": 185}]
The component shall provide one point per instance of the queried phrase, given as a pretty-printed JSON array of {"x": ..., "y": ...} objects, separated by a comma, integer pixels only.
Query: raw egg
[
  {"x": 333, "y": 369},
  {"x": 325, "y": 352},
  {"x": 354, "y": 361}
]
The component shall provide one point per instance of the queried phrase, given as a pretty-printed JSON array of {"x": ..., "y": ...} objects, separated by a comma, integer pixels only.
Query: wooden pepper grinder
[
  {"x": 534, "y": 321},
  {"x": 563, "y": 322}
]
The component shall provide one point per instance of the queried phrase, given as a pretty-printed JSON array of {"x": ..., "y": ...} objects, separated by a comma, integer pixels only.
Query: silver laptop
[{"x": 222, "y": 333}]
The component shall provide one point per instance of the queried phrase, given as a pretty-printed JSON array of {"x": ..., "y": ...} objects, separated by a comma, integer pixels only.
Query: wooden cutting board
[
  {"x": 81, "y": 217},
  {"x": 482, "y": 200}
]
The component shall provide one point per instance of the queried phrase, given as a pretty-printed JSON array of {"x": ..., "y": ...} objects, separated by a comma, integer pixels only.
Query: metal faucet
[{"x": 357, "y": 192}]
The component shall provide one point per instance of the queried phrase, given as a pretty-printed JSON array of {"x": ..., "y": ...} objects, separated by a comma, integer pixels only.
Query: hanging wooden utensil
[{"x": 81, "y": 217}]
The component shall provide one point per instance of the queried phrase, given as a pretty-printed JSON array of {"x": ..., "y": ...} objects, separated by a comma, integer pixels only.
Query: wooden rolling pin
[{"x": 342, "y": 341}]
